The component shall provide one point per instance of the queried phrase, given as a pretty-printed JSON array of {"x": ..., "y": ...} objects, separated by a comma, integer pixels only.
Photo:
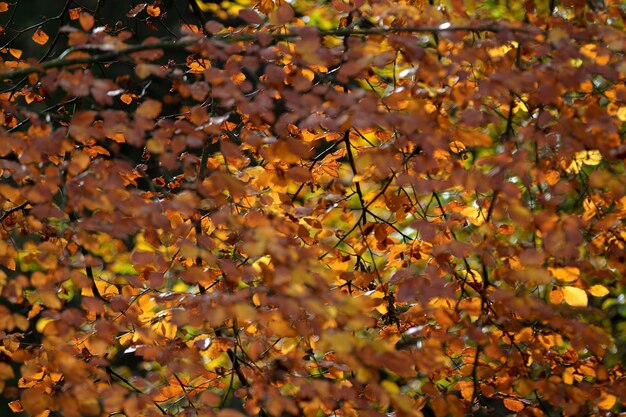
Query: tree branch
[
  {"x": 295, "y": 33},
  {"x": 107, "y": 56}
]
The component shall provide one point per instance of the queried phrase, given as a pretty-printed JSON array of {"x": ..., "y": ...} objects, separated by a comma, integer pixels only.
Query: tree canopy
[{"x": 310, "y": 208}]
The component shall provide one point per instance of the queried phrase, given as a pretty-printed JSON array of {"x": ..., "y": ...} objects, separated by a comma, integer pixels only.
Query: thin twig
[{"x": 294, "y": 33}]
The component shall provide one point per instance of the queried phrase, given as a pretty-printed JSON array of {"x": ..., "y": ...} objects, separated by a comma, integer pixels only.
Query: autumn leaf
[
  {"x": 35, "y": 401},
  {"x": 40, "y": 37},
  {"x": 153, "y": 10},
  {"x": 75, "y": 13},
  {"x": 150, "y": 109},
  {"x": 598, "y": 290},
  {"x": 606, "y": 401},
  {"x": 277, "y": 207},
  {"x": 86, "y": 21},
  {"x": 265, "y": 6},
  {"x": 565, "y": 274},
  {"x": 136, "y": 10},
  {"x": 574, "y": 296},
  {"x": 513, "y": 404},
  {"x": 126, "y": 98}
]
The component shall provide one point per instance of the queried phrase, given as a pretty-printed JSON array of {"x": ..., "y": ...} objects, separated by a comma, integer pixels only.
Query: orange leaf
[
  {"x": 86, "y": 21},
  {"x": 513, "y": 405},
  {"x": 126, "y": 98},
  {"x": 606, "y": 401},
  {"x": 40, "y": 37},
  {"x": 75, "y": 13},
  {"x": 150, "y": 109},
  {"x": 265, "y": 6},
  {"x": 153, "y": 11},
  {"x": 4, "y": 6},
  {"x": 15, "y": 406}
]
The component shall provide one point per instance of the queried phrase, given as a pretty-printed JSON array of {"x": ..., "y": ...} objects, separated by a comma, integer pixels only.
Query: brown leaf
[{"x": 136, "y": 10}]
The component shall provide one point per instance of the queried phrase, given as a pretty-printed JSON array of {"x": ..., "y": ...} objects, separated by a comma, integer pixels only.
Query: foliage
[{"x": 310, "y": 208}]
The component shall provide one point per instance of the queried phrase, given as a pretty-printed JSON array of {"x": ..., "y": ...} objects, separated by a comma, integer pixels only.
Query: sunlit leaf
[
  {"x": 598, "y": 290},
  {"x": 606, "y": 401},
  {"x": 575, "y": 296},
  {"x": 565, "y": 274}
]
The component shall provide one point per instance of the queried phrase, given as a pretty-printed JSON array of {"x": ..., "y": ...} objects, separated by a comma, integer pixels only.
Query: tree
[{"x": 310, "y": 208}]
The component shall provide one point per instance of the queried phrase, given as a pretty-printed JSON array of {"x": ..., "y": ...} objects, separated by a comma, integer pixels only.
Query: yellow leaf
[
  {"x": 42, "y": 323},
  {"x": 565, "y": 274},
  {"x": 592, "y": 157},
  {"x": 598, "y": 291},
  {"x": 568, "y": 376},
  {"x": 588, "y": 157},
  {"x": 574, "y": 167},
  {"x": 607, "y": 401},
  {"x": 499, "y": 51},
  {"x": 621, "y": 113},
  {"x": 575, "y": 296},
  {"x": 474, "y": 215},
  {"x": 390, "y": 387},
  {"x": 198, "y": 65}
]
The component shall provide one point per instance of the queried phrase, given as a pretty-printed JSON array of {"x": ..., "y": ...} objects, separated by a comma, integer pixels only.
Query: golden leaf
[
  {"x": 593, "y": 157},
  {"x": 565, "y": 274},
  {"x": 606, "y": 401},
  {"x": 575, "y": 296},
  {"x": 598, "y": 290}
]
